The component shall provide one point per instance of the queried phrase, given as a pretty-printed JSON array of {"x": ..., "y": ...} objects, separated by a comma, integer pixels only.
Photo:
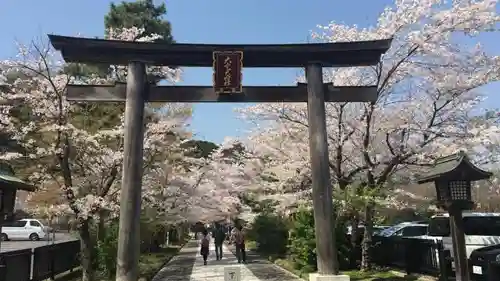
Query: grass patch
[
  {"x": 357, "y": 275},
  {"x": 289, "y": 266},
  {"x": 250, "y": 245},
  {"x": 73, "y": 275},
  {"x": 151, "y": 263}
]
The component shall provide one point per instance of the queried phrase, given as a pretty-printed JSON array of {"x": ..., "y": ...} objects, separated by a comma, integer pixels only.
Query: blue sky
[{"x": 200, "y": 21}]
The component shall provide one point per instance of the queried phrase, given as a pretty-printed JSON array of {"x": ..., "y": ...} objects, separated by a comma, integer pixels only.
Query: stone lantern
[
  {"x": 452, "y": 176},
  {"x": 8, "y": 189},
  {"x": 9, "y": 185}
]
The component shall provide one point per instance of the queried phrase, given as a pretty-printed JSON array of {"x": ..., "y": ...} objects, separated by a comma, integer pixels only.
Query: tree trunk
[
  {"x": 101, "y": 226},
  {"x": 178, "y": 232},
  {"x": 86, "y": 251},
  {"x": 367, "y": 237},
  {"x": 52, "y": 231},
  {"x": 354, "y": 229},
  {"x": 354, "y": 239}
]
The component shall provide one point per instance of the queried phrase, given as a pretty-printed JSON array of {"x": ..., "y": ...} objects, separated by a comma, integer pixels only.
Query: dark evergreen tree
[
  {"x": 142, "y": 13},
  {"x": 199, "y": 148}
]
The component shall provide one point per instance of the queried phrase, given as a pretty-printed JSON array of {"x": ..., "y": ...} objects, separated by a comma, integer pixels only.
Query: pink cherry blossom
[{"x": 430, "y": 92}]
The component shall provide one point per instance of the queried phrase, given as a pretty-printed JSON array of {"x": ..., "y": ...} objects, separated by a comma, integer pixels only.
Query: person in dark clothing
[
  {"x": 219, "y": 237},
  {"x": 239, "y": 240},
  {"x": 205, "y": 244}
]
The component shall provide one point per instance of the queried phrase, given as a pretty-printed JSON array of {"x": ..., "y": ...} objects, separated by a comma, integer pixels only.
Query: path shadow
[
  {"x": 181, "y": 266},
  {"x": 263, "y": 269},
  {"x": 406, "y": 278},
  {"x": 226, "y": 261}
]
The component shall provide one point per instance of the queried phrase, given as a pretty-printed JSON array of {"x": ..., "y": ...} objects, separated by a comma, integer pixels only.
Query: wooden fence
[
  {"x": 40, "y": 263},
  {"x": 427, "y": 257}
]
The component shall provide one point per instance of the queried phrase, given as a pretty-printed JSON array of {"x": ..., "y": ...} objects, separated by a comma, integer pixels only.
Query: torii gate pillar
[{"x": 321, "y": 185}]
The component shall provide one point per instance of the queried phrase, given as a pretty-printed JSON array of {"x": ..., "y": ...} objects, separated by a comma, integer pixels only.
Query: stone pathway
[
  {"x": 188, "y": 266},
  {"x": 265, "y": 270},
  {"x": 181, "y": 266}
]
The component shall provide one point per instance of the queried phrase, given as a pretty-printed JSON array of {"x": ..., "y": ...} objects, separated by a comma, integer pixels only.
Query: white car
[
  {"x": 405, "y": 229},
  {"x": 31, "y": 229}
]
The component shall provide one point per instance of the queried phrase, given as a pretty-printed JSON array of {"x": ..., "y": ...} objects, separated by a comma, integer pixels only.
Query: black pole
[
  {"x": 3, "y": 266},
  {"x": 459, "y": 249}
]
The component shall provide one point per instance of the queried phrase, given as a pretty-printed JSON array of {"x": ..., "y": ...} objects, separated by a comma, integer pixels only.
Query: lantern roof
[
  {"x": 8, "y": 180},
  {"x": 454, "y": 167}
]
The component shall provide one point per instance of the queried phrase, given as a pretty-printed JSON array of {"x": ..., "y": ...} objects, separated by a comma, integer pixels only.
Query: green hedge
[
  {"x": 270, "y": 233},
  {"x": 295, "y": 239},
  {"x": 153, "y": 236},
  {"x": 106, "y": 250}
]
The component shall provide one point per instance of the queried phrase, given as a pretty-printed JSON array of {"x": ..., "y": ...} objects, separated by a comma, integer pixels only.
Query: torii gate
[{"x": 227, "y": 61}]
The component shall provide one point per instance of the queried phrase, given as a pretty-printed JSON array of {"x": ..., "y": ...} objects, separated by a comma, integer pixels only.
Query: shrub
[
  {"x": 153, "y": 235},
  {"x": 344, "y": 247},
  {"x": 106, "y": 250},
  {"x": 302, "y": 246},
  {"x": 270, "y": 233}
]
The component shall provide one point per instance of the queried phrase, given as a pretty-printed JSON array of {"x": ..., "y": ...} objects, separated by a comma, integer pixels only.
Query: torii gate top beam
[{"x": 343, "y": 54}]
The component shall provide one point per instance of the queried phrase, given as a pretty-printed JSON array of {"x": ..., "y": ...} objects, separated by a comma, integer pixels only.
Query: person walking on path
[
  {"x": 205, "y": 244},
  {"x": 239, "y": 241},
  {"x": 219, "y": 237}
]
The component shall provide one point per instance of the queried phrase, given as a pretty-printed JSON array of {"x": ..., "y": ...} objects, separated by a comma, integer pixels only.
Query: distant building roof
[{"x": 8, "y": 180}]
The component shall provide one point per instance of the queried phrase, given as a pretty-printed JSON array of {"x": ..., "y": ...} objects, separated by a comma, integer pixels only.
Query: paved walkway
[{"x": 188, "y": 266}]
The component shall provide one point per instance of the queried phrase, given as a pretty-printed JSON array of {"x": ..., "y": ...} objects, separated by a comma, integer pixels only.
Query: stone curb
[
  {"x": 395, "y": 272},
  {"x": 165, "y": 263},
  {"x": 419, "y": 277}
]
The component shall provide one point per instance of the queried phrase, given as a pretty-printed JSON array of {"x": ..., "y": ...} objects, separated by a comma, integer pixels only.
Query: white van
[
  {"x": 480, "y": 229},
  {"x": 31, "y": 229}
]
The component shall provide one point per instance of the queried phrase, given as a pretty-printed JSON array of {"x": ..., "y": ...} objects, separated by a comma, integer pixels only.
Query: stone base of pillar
[{"x": 321, "y": 277}]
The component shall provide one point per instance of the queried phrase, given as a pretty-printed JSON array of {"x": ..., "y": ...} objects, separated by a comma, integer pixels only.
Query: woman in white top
[{"x": 205, "y": 244}]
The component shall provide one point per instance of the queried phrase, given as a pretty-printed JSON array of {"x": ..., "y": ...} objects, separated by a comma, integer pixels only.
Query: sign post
[
  {"x": 228, "y": 72},
  {"x": 232, "y": 274}
]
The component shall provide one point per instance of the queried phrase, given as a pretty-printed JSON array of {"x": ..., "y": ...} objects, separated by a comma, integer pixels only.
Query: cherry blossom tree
[
  {"x": 61, "y": 148},
  {"x": 84, "y": 163},
  {"x": 12, "y": 135},
  {"x": 429, "y": 86},
  {"x": 188, "y": 189}
]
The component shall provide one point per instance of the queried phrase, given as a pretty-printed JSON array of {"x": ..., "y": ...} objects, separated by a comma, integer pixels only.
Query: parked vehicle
[
  {"x": 480, "y": 229},
  {"x": 376, "y": 229},
  {"x": 379, "y": 228},
  {"x": 31, "y": 229},
  {"x": 482, "y": 237},
  {"x": 405, "y": 229},
  {"x": 480, "y": 259}
]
